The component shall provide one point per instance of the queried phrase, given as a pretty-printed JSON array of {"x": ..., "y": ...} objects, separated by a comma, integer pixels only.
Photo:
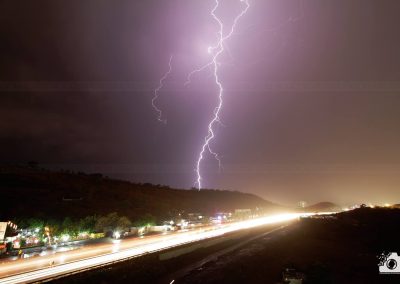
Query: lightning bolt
[
  {"x": 157, "y": 90},
  {"x": 216, "y": 51}
]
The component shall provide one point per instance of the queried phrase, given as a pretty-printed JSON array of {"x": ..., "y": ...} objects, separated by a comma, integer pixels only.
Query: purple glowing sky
[{"x": 310, "y": 104}]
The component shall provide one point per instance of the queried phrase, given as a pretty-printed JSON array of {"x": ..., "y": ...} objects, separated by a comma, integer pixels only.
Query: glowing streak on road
[
  {"x": 216, "y": 50},
  {"x": 157, "y": 90},
  {"x": 153, "y": 245}
]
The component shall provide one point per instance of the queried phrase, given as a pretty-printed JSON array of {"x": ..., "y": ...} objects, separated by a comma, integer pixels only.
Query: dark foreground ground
[{"x": 342, "y": 250}]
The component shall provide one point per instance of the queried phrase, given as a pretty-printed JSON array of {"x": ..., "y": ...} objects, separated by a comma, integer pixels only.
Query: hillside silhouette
[
  {"x": 30, "y": 192},
  {"x": 324, "y": 206}
]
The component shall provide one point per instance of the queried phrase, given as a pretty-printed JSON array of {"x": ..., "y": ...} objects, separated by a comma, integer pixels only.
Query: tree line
[{"x": 90, "y": 224}]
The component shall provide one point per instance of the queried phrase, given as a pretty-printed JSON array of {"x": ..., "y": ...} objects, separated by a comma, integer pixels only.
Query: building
[
  {"x": 8, "y": 233},
  {"x": 3, "y": 228}
]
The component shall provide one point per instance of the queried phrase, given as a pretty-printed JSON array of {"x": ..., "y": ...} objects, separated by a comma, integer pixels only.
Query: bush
[{"x": 112, "y": 222}]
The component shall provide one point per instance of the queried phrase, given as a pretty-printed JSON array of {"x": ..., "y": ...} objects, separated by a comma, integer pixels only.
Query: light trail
[
  {"x": 39, "y": 269},
  {"x": 157, "y": 90},
  {"x": 216, "y": 50}
]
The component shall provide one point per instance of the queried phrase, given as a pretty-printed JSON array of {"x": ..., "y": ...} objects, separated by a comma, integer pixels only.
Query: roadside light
[
  {"x": 141, "y": 231},
  {"x": 117, "y": 234},
  {"x": 65, "y": 238}
]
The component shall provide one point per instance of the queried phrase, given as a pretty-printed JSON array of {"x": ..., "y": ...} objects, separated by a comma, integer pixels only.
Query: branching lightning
[
  {"x": 157, "y": 90},
  {"x": 216, "y": 51}
]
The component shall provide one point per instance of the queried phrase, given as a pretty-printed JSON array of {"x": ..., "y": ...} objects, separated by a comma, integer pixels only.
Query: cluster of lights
[{"x": 370, "y": 205}]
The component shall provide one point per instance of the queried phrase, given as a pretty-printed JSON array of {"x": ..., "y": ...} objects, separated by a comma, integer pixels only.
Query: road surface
[{"x": 92, "y": 256}]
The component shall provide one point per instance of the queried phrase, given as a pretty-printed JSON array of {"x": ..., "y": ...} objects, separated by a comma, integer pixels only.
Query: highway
[{"x": 92, "y": 256}]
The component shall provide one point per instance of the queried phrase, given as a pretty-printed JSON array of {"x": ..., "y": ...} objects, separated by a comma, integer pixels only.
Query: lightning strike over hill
[
  {"x": 216, "y": 51},
  {"x": 157, "y": 90}
]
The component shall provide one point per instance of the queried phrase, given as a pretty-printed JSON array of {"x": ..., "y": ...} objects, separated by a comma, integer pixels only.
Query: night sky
[{"x": 311, "y": 107}]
